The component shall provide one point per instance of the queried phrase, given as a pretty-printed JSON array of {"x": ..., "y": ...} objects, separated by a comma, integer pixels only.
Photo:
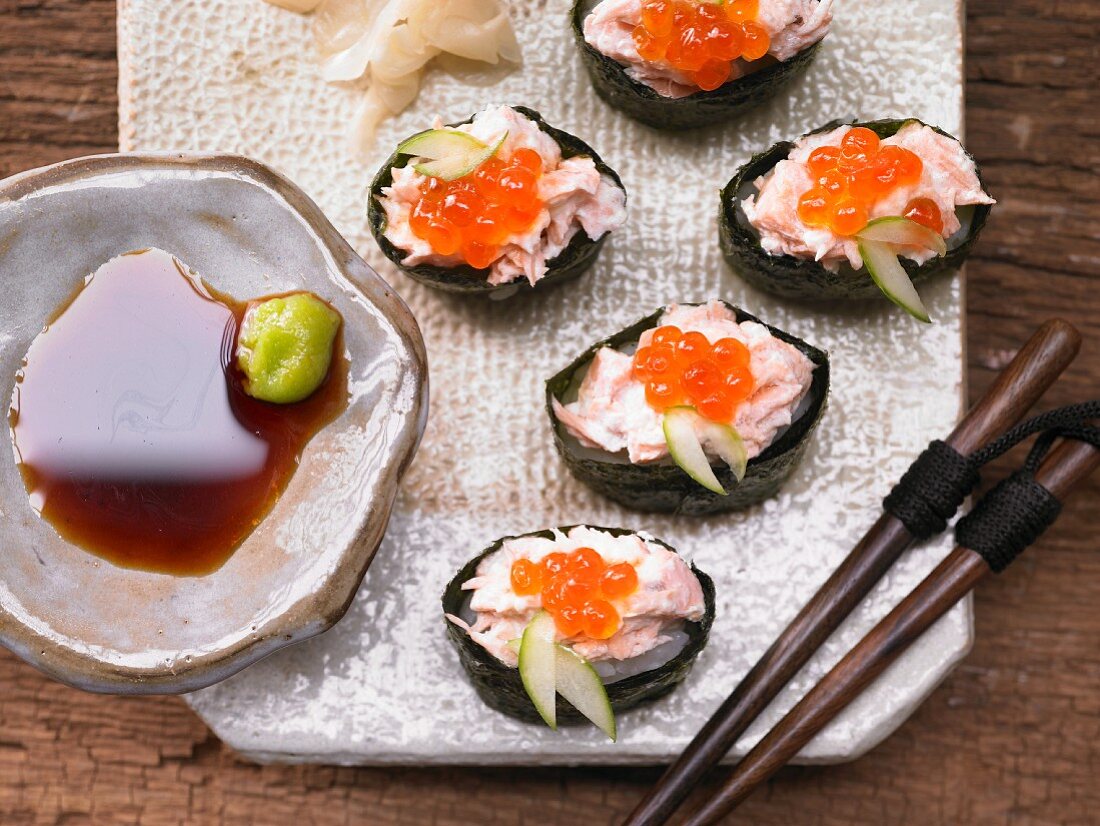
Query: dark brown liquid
[{"x": 134, "y": 437}]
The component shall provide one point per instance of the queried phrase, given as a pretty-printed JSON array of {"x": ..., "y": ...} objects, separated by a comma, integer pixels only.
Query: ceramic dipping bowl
[{"x": 248, "y": 232}]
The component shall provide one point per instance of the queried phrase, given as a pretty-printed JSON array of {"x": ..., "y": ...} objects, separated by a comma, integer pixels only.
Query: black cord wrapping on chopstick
[
  {"x": 1013, "y": 514},
  {"x": 1018, "y": 509},
  {"x": 932, "y": 490},
  {"x": 1008, "y": 519}
]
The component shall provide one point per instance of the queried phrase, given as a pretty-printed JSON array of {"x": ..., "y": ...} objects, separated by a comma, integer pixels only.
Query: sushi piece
[
  {"x": 678, "y": 64},
  {"x": 619, "y": 613},
  {"x": 854, "y": 211},
  {"x": 696, "y": 409},
  {"x": 498, "y": 203}
]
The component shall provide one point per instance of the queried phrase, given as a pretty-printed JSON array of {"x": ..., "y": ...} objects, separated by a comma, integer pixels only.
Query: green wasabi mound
[{"x": 285, "y": 347}]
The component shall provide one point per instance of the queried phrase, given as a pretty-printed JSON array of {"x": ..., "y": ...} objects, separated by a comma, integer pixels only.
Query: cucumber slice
[
  {"x": 537, "y": 666},
  {"x": 687, "y": 450},
  {"x": 890, "y": 276},
  {"x": 439, "y": 143},
  {"x": 726, "y": 442},
  {"x": 903, "y": 232},
  {"x": 686, "y": 432},
  {"x": 453, "y": 167},
  {"x": 578, "y": 682}
]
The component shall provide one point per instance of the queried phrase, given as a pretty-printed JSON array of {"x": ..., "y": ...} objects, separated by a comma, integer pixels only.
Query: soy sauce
[{"x": 132, "y": 431}]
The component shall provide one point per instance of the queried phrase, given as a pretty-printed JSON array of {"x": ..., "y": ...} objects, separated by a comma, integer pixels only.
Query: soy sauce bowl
[{"x": 249, "y": 232}]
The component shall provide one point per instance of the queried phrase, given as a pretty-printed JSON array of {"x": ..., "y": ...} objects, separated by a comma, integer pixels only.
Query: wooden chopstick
[
  {"x": 1041, "y": 360},
  {"x": 1067, "y": 464}
]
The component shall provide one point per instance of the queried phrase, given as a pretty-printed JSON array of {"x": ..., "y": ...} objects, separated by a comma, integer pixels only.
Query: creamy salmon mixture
[
  {"x": 611, "y": 412},
  {"x": 949, "y": 179},
  {"x": 792, "y": 25},
  {"x": 667, "y": 594},
  {"x": 575, "y": 197}
]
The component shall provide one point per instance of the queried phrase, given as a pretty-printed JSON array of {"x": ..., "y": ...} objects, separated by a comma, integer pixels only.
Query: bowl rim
[{"x": 324, "y": 605}]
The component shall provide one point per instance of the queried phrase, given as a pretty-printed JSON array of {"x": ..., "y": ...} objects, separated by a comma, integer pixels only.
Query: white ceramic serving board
[{"x": 385, "y": 686}]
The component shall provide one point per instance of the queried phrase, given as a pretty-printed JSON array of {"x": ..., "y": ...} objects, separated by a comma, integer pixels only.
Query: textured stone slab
[{"x": 383, "y": 686}]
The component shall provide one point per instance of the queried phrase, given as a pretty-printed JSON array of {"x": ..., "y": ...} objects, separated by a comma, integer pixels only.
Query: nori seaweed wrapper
[
  {"x": 570, "y": 263},
  {"x": 664, "y": 487},
  {"x": 791, "y": 277},
  {"x": 619, "y": 90},
  {"x": 500, "y": 686}
]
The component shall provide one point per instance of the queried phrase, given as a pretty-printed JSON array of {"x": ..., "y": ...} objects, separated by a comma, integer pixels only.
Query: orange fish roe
[
  {"x": 853, "y": 177},
  {"x": 926, "y": 212},
  {"x": 526, "y": 578},
  {"x": 701, "y": 39},
  {"x": 473, "y": 215},
  {"x": 577, "y": 589},
  {"x": 685, "y": 368}
]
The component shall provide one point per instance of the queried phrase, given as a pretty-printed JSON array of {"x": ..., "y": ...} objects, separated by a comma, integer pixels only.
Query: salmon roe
[
  {"x": 472, "y": 216},
  {"x": 701, "y": 39},
  {"x": 577, "y": 590},
  {"x": 685, "y": 368},
  {"x": 925, "y": 211},
  {"x": 853, "y": 177}
]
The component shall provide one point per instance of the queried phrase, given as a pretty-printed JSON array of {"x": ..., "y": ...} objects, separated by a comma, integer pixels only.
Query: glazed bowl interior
[{"x": 248, "y": 232}]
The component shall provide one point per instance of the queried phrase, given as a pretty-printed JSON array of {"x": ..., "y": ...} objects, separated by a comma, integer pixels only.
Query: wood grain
[{"x": 1009, "y": 738}]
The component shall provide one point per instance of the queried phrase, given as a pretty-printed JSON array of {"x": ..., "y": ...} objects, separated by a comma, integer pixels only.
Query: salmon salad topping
[
  {"x": 614, "y": 412},
  {"x": 472, "y": 216},
  {"x": 813, "y": 203},
  {"x": 511, "y": 215},
  {"x": 612, "y": 597},
  {"x": 578, "y": 589},
  {"x": 701, "y": 40},
  {"x": 681, "y": 368},
  {"x": 680, "y": 47}
]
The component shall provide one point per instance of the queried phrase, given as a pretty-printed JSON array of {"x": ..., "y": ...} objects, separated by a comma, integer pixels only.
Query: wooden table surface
[{"x": 1013, "y": 735}]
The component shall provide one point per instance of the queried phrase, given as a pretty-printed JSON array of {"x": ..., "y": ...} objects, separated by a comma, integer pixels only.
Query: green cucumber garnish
[
  {"x": 537, "y": 666},
  {"x": 686, "y": 433},
  {"x": 887, "y": 272},
  {"x": 548, "y": 669},
  {"x": 578, "y": 682},
  {"x": 433, "y": 144},
  {"x": 458, "y": 163},
  {"x": 903, "y": 232},
  {"x": 879, "y": 243}
]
